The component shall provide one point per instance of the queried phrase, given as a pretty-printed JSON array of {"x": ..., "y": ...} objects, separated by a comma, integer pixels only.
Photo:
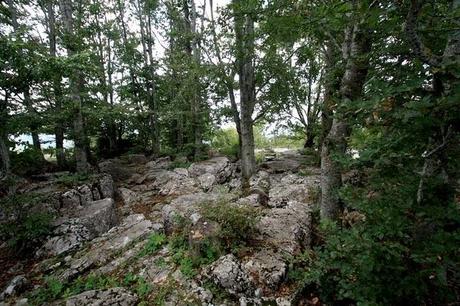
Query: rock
[
  {"x": 207, "y": 180},
  {"x": 14, "y": 287},
  {"x": 281, "y": 165},
  {"x": 70, "y": 199},
  {"x": 103, "y": 248},
  {"x": 136, "y": 158},
  {"x": 96, "y": 193},
  {"x": 117, "y": 170},
  {"x": 261, "y": 181},
  {"x": 68, "y": 237},
  {"x": 128, "y": 196},
  {"x": 86, "y": 194},
  {"x": 287, "y": 228},
  {"x": 160, "y": 163},
  {"x": 228, "y": 273},
  {"x": 220, "y": 167},
  {"x": 268, "y": 266},
  {"x": 113, "y": 296},
  {"x": 293, "y": 188},
  {"x": 187, "y": 205},
  {"x": 107, "y": 186},
  {"x": 98, "y": 216},
  {"x": 181, "y": 171},
  {"x": 179, "y": 185},
  {"x": 254, "y": 200}
]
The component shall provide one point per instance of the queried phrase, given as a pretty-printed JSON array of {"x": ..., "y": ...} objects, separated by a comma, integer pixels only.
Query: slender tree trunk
[
  {"x": 76, "y": 86},
  {"x": 357, "y": 46},
  {"x": 58, "y": 129},
  {"x": 244, "y": 30},
  {"x": 5, "y": 169}
]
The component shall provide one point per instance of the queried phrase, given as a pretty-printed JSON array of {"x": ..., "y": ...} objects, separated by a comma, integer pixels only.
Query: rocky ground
[{"x": 115, "y": 241}]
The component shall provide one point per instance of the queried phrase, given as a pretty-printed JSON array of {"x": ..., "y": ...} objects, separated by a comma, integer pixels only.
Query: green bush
[
  {"x": 154, "y": 243},
  {"x": 237, "y": 224},
  {"x": 27, "y": 162},
  {"x": 26, "y": 228},
  {"x": 225, "y": 141}
]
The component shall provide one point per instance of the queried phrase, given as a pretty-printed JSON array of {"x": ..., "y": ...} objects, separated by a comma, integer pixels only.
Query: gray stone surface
[
  {"x": 228, "y": 273},
  {"x": 220, "y": 167},
  {"x": 14, "y": 287},
  {"x": 113, "y": 296}
]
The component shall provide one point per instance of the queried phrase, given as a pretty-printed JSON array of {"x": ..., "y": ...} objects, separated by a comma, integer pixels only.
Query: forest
[{"x": 229, "y": 152}]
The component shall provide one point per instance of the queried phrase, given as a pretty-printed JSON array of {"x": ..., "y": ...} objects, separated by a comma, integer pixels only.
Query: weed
[
  {"x": 154, "y": 244},
  {"x": 237, "y": 224}
]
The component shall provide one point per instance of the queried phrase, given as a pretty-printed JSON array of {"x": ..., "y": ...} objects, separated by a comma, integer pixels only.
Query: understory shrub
[{"x": 24, "y": 228}]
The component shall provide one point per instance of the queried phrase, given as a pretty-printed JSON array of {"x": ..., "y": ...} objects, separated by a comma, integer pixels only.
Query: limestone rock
[
  {"x": 103, "y": 248},
  {"x": 228, "y": 273},
  {"x": 14, "y": 287},
  {"x": 207, "y": 180},
  {"x": 268, "y": 266},
  {"x": 68, "y": 237},
  {"x": 287, "y": 228},
  {"x": 85, "y": 194},
  {"x": 107, "y": 186},
  {"x": 113, "y": 296},
  {"x": 220, "y": 167},
  {"x": 70, "y": 199}
]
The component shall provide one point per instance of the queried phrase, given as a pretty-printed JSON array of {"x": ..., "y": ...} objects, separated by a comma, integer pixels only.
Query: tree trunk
[
  {"x": 58, "y": 129},
  {"x": 244, "y": 34},
  {"x": 5, "y": 170},
  {"x": 357, "y": 46},
  {"x": 76, "y": 86}
]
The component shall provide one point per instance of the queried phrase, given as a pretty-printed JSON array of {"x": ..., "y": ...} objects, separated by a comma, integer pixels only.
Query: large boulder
[
  {"x": 220, "y": 167},
  {"x": 113, "y": 296}
]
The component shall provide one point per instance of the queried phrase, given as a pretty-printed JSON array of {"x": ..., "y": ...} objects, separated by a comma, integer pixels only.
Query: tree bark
[
  {"x": 59, "y": 128},
  {"x": 244, "y": 35},
  {"x": 76, "y": 86},
  {"x": 357, "y": 46},
  {"x": 5, "y": 170}
]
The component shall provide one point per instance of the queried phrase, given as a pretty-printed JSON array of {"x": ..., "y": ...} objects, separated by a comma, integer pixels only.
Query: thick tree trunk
[
  {"x": 76, "y": 86},
  {"x": 357, "y": 46},
  {"x": 244, "y": 30}
]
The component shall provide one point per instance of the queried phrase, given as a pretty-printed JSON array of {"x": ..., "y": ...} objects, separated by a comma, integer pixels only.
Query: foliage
[
  {"x": 154, "y": 243},
  {"x": 225, "y": 141},
  {"x": 53, "y": 289},
  {"x": 27, "y": 162},
  {"x": 236, "y": 224},
  {"x": 26, "y": 227},
  {"x": 73, "y": 179}
]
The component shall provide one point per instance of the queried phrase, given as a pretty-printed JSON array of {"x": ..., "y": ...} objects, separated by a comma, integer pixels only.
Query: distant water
[{"x": 46, "y": 140}]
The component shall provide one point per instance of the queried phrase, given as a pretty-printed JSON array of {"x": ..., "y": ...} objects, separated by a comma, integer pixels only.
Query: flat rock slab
[
  {"x": 104, "y": 248},
  {"x": 114, "y": 296}
]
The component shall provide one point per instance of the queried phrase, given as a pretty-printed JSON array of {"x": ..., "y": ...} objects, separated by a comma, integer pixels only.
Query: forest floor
[{"x": 175, "y": 234}]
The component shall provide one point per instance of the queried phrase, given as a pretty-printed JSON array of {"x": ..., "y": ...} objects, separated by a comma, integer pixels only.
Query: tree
[
  {"x": 76, "y": 85},
  {"x": 356, "y": 48}
]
